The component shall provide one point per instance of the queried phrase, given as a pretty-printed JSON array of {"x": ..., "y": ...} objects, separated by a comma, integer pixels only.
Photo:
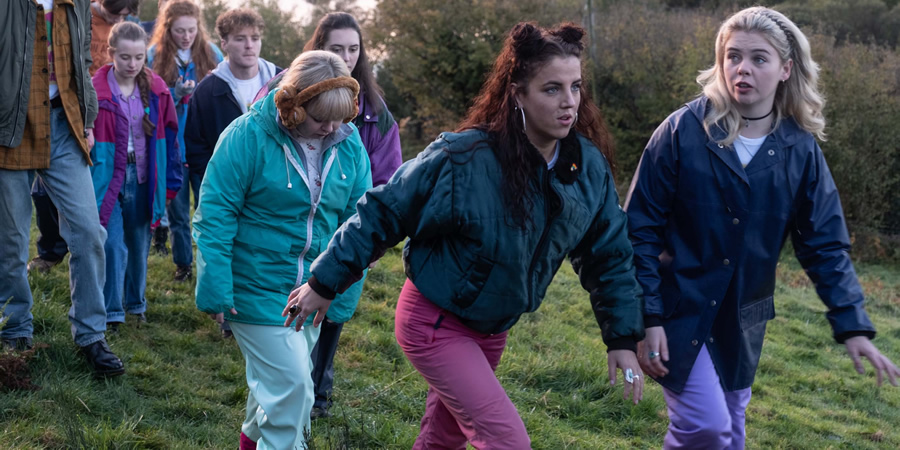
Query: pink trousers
[{"x": 466, "y": 402}]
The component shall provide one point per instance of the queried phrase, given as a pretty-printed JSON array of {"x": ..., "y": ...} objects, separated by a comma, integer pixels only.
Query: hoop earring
[{"x": 522, "y": 110}]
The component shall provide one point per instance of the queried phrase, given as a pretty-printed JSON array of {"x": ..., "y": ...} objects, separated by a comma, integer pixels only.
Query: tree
[{"x": 438, "y": 52}]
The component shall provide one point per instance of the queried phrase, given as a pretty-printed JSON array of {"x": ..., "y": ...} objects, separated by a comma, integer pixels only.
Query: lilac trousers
[
  {"x": 466, "y": 402},
  {"x": 703, "y": 416}
]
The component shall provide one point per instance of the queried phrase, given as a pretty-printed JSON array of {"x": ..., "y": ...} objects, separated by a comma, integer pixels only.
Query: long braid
[{"x": 143, "y": 82}]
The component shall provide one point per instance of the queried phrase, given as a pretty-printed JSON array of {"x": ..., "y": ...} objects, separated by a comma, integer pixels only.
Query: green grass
[{"x": 185, "y": 386}]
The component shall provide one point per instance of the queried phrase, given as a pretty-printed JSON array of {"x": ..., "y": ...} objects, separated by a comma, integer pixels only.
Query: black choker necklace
[{"x": 748, "y": 119}]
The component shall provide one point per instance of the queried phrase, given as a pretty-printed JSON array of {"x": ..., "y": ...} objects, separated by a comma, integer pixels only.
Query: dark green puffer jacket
[{"x": 465, "y": 257}]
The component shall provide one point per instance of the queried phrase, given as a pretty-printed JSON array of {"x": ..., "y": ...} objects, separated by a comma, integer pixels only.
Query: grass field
[{"x": 185, "y": 386}]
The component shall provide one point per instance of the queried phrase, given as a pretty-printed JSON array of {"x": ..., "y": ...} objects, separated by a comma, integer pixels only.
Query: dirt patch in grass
[{"x": 14, "y": 371}]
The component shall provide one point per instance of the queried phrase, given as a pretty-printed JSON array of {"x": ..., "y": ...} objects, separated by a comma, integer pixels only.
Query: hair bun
[
  {"x": 525, "y": 35},
  {"x": 569, "y": 33}
]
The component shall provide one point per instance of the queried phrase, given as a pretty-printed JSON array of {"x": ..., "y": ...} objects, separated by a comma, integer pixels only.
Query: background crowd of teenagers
[{"x": 746, "y": 141}]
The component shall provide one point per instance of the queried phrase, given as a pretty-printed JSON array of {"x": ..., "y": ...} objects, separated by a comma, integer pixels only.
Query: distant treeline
[{"x": 643, "y": 60}]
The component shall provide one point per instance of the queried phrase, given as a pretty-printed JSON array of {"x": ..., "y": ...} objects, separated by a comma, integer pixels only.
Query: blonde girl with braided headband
[
  {"x": 721, "y": 185},
  {"x": 282, "y": 179}
]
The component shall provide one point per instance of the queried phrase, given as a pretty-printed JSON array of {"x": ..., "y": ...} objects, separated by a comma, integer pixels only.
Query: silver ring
[
  {"x": 630, "y": 376},
  {"x": 653, "y": 354}
]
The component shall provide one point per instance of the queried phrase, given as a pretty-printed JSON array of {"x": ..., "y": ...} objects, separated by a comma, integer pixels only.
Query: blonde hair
[
  {"x": 308, "y": 69},
  {"x": 797, "y": 97}
]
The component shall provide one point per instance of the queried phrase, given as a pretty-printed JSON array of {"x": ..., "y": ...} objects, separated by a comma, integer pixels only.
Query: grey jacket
[{"x": 17, "y": 34}]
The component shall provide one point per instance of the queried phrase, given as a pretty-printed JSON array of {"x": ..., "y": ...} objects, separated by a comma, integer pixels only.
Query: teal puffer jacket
[
  {"x": 464, "y": 256},
  {"x": 256, "y": 227}
]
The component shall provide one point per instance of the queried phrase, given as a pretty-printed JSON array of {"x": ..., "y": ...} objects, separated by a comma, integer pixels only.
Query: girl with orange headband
[{"x": 282, "y": 179}]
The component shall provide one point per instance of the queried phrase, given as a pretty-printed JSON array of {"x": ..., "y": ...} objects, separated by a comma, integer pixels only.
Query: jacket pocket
[
  {"x": 262, "y": 259},
  {"x": 473, "y": 281},
  {"x": 262, "y": 237},
  {"x": 758, "y": 312}
]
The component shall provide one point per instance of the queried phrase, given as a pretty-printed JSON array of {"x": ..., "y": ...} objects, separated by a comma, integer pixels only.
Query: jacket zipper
[
  {"x": 539, "y": 250},
  {"x": 314, "y": 205}
]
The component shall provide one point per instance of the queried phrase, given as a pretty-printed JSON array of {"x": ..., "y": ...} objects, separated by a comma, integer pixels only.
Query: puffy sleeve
[
  {"x": 648, "y": 205},
  {"x": 822, "y": 245},
  {"x": 222, "y": 194},
  {"x": 417, "y": 202}
]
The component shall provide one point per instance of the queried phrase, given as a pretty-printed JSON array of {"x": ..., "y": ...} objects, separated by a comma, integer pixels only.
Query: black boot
[
  {"x": 102, "y": 360},
  {"x": 160, "y": 236}
]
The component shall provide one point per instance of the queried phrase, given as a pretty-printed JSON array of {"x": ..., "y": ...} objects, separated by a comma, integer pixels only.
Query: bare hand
[
  {"x": 220, "y": 317},
  {"x": 373, "y": 264},
  {"x": 89, "y": 136},
  {"x": 862, "y": 346},
  {"x": 168, "y": 202},
  {"x": 626, "y": 361},
  {"x": 655, "y": 344},
  {"x": 307, "y": 302}
]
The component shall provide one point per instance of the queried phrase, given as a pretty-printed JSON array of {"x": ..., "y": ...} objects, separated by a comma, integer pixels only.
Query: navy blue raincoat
[{"x": 707, "y": 234}]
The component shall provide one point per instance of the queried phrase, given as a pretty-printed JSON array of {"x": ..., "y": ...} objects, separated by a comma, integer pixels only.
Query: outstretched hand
[
  {"x": 305, "y": 302},
  {"x": 627, "y": 362},
  {"x": 862, "y": 346}
]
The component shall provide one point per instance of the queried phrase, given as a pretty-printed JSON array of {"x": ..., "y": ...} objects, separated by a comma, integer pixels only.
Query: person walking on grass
[
  {"x": 723, "y": 181},
  {"x": 51, "y": 247},
  {"x": 181, "y": 54},
  {"x": 340, "y": 34},
  {"x": 136, "y": 170},
  {"x": 491, "y": 211},
  {"x": 47, "y": 127},
  {"x": 226, "y": 93},
  {"x": 282, "y": 179}
]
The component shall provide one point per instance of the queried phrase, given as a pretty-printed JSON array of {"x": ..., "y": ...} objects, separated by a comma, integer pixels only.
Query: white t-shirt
[
  {"x": 746, "y": 148},
  {"x": 247, "y": 89},
  {"x": 555, "y": 157},
  {"x": 184, "y": 54}
]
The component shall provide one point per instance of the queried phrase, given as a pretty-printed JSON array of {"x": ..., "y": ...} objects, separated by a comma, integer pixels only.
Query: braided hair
[{"x": 133, "y": 32}]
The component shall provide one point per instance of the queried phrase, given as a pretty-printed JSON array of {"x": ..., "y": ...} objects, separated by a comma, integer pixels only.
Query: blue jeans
[
  {"x": 127, "y": 246},
  {"x": 179, "y": 214},
  {"x": 68, "y": 182}
]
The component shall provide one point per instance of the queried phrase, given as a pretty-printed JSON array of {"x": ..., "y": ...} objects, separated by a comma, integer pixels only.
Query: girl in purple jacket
[{"x": 136, "y": 171}]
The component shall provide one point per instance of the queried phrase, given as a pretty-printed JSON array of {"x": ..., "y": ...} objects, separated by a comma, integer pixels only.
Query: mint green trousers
[{"x": 278, "y": 376}]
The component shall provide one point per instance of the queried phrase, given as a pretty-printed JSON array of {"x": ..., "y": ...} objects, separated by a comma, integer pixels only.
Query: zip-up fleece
[
  {"x": 110, "y": 152},
  {"x": 256, "y": 227},
  {"x": 464, "y": 255}
]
